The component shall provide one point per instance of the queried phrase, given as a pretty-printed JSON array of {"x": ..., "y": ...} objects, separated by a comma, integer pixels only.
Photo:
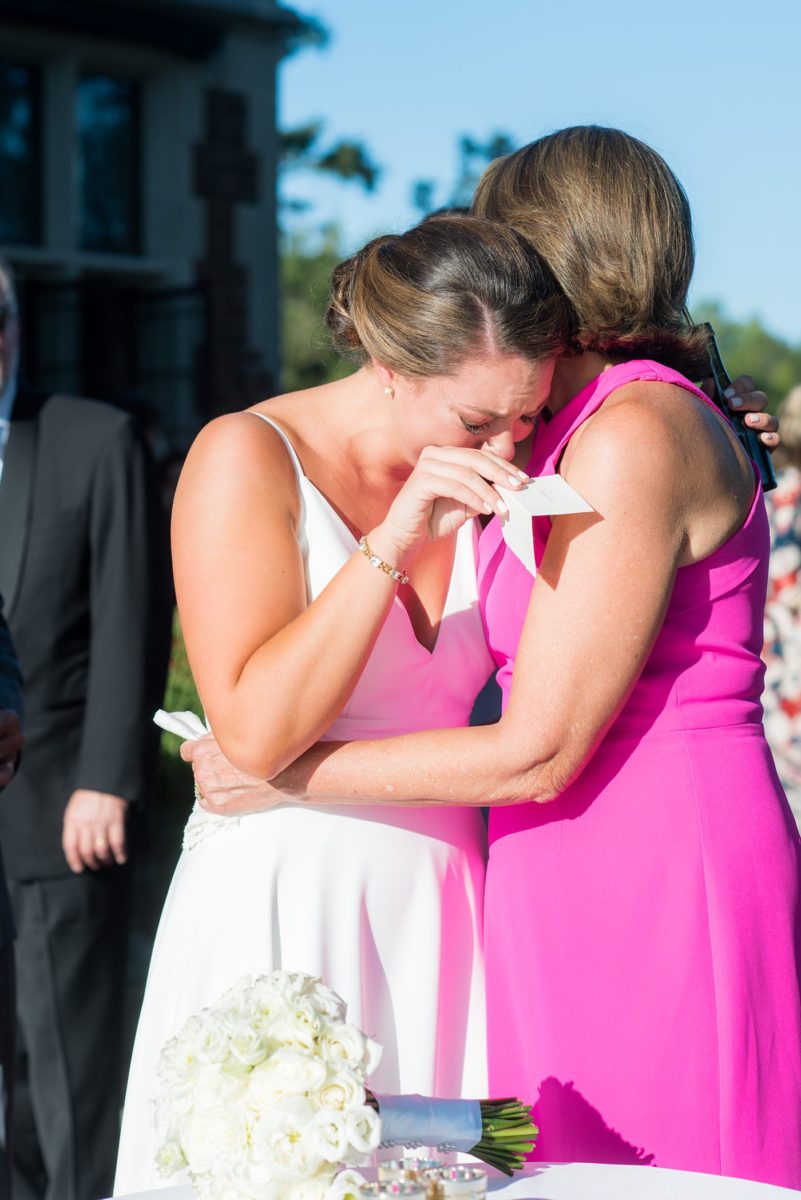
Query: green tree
[
  {"x": 308, "y": 257},
  {"x": 302, "y": 149},
  {"x": 473, "y": 155},
  {"x": 307, "y": 262}
]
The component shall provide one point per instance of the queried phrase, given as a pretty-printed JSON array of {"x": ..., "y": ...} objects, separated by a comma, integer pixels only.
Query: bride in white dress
[{"x": 295, "y": 633}]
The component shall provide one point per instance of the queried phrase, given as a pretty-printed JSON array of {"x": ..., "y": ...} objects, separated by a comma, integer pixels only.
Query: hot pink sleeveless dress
[{"x": 643, "y": 930}]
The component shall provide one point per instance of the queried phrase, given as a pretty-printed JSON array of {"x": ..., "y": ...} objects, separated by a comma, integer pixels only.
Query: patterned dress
[{"x": 782, "y": 651}]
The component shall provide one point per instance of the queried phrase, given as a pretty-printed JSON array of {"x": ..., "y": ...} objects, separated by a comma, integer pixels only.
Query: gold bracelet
[{"x": 376, "y": 561}]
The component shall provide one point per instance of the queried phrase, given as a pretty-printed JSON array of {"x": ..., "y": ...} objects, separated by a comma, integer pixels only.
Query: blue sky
[{"x": 715, "y": 86}]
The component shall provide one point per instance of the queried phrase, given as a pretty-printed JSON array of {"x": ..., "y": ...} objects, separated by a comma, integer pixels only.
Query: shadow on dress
[{"x": 571, "y": 1130}]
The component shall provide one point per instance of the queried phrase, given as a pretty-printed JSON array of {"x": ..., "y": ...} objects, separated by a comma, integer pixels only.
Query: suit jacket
[
  {"x": 10, "y": 697},
  {"x": 83, "y": 570},
  {"x": 10, "y": 674}
]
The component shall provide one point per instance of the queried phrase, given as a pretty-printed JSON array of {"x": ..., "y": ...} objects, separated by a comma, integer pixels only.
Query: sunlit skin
[{"x": 396, "y": 460}]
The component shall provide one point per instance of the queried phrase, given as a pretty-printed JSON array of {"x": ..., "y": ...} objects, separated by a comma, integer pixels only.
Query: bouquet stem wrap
[
  {"x": 416, "y": 1121},
  {"x": 498, "y": 1132}
]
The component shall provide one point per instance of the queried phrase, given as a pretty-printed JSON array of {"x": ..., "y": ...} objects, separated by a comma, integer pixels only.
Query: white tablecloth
[{"x": 588, "y": 1181}]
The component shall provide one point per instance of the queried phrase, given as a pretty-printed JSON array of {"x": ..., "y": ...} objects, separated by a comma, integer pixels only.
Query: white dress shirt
[{"x": 7, "y": 398}]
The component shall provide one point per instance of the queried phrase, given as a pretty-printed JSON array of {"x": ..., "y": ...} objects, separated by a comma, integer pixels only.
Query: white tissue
[
  {"x": 201, "y": 824},
  {"x": 548, "y": 495},
  {"x": 186, "y": 725}
]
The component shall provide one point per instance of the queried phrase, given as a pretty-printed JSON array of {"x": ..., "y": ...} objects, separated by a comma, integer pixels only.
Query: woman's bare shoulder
[
  {"x": 635, "y": 436},
  {"x": 656, "y": 450},
  {"x": 666, "y": 424},
  {"x": 237, "y": 462},
  {"x": 243, "y": 441}
]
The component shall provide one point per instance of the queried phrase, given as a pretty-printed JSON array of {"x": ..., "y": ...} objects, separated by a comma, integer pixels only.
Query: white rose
[
  {"x": 346, "y": 1186},
  {"x": 281, "y": 1141},
  {"x": 286, "y": 1073},
  {"x": 289, "y": 984},
  {"x": 344, "y": 1044},
  {"x": 297, "y": 1025},
  {"x": 327, "y": 1002},
  {"x": 331, "y": 1132},
  {"x": 233, "y": 997},
  {"x": 166, "y": 1111},
  {"x": 208, "y": 1040},
  {"x": 343, "y": 1090},
  {"x": 179, "y": 1063},
  {"x": 215, "y": 1141},
  {"x": 170, "y": 1158},
  {"x": 373, "y": 1052},
  {"x": 364, "y": 1130},
  {"x": 266, "y": 997},
  {"x": 217, "y": 1088},
  {"x": 247, "y": 1043}
]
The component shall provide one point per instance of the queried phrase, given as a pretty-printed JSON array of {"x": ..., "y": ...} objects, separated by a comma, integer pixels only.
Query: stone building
[{"x": 138, "y": 152}]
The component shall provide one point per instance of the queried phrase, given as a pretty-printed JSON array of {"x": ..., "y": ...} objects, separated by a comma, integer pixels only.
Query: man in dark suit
[
  {"x": 82, "y": 570},
  {"x": 10, "y": 745}
]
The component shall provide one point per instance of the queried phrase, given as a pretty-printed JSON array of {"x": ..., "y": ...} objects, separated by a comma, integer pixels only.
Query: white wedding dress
[{"x": 382, "y": 902}]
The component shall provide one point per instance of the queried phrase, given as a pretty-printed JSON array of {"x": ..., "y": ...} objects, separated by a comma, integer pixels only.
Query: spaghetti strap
[{"x": 293, "y": 454}]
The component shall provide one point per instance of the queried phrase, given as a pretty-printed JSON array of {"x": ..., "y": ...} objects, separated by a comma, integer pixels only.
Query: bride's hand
[
  {"x": 447, "y": 487},
  {"x": 221, "y": 788},
  {"x": 745, "y": 398}
]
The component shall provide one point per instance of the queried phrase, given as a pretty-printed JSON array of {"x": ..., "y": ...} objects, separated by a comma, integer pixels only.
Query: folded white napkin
[
  {"x": 201, "y": 824},
  {"x": 547, "y": 495},
  {"x": 186, "y": 725}
]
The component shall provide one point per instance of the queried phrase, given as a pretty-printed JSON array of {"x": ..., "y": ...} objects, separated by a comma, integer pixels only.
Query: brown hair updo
[
  {"x": 613, "y": 223},
  {"x": 423, "y": 302}
]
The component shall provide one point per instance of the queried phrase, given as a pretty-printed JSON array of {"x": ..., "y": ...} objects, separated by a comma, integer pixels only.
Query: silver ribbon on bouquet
[{"x": 415, "y": 1121}]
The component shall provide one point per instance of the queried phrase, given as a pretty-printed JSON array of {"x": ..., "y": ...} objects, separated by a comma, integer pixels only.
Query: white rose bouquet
[{"x": 262, "y": 1096}]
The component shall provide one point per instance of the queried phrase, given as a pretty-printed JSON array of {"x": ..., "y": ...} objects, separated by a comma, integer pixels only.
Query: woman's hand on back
[{"x": 447, "y": 487}]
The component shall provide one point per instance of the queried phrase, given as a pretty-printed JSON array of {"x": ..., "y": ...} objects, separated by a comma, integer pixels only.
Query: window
[
  {"x": 20, "y": 158},
  {"x": 108, "y": 163}
]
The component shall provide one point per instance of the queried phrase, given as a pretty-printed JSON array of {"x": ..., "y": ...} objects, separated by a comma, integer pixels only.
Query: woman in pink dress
[{"x": 643, "y": 915}]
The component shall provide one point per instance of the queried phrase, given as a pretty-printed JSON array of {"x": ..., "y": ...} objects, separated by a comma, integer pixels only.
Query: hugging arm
[
  {"x": 338, "y": 772},
  {"x": 595, "y": 611}
]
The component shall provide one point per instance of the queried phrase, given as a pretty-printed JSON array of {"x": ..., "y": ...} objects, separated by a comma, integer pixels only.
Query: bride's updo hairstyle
[
  {"x": 424, "y": 301},
  {"x": 613, "y": 223}
]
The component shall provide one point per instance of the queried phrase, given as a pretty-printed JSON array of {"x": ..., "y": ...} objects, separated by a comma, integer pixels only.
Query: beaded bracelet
[{"x": 376, "y": 561}]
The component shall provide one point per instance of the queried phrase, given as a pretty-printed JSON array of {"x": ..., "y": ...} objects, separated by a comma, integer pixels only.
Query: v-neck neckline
[{"x": 346, "y": 529}]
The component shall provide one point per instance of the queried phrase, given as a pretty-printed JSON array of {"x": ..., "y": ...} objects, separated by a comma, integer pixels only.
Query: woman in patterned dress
[{"x": 782, "y": 652}]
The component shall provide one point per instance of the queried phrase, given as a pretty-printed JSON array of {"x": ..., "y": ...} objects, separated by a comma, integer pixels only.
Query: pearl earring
[{"x": 388, "y": 391}]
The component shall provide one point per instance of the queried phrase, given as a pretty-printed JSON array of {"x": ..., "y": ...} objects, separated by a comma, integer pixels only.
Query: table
[{"x": 589, "y": 1181}]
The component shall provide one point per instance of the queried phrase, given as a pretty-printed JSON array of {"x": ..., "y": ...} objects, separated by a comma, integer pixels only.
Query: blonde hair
[
  {"x": 453, "y": 286},
  {"x": 613, "y": 223}
]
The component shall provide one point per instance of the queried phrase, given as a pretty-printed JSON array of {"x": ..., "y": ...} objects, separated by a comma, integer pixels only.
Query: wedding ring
[{"x": 100, "y": 842}]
